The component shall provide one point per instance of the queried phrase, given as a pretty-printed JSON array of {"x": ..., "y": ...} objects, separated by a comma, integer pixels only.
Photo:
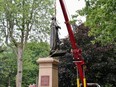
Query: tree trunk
[{"x": 19, "y": 66}]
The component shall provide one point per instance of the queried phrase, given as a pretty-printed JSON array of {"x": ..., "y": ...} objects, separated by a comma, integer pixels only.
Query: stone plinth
[{"x": 48, "y": 72}]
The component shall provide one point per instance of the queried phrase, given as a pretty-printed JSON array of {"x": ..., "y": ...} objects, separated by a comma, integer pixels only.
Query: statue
[{"x": 54, "y": 38}]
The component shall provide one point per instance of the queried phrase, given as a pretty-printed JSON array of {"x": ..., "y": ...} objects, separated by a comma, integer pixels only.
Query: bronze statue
[{"x": 54, "y": 38}]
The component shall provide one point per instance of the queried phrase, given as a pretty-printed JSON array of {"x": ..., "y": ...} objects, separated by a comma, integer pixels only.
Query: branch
[
  {"x": 29, "y": 22},
  {"x": 10, "y": 26}
]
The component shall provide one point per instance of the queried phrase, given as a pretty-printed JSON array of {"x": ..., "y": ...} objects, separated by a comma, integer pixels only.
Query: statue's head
[{"x": 53, "y": 18}]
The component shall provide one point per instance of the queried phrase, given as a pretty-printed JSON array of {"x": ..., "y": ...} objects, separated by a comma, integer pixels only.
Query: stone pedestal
[{"x": 48, "y": 72}]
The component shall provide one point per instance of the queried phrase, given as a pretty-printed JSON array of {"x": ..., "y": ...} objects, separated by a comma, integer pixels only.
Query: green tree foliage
[
  {"x": 8, "y": 65},
  {"x": 7, "y": 68},
  {"x": 100, "y": 61},
  {"x": 22, "y": 21},
  {"x": 28, "y": 16},
  {"x": 32, "y": 52},
  {"x": 101, "y": 18}
]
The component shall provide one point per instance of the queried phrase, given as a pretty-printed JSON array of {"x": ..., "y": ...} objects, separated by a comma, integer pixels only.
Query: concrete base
[{"x": 48, "y": 72}]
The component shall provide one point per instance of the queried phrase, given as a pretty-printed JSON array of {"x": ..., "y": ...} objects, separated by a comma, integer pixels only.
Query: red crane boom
[{"x": 79, "y": 62}]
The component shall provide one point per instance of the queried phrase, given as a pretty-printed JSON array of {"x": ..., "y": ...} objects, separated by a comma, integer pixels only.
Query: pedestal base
[{"x": 48, "y": 72}]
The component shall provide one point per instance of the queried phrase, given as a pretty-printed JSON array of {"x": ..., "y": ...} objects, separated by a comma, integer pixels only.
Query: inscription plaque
[{"x": 44, "y": 80}]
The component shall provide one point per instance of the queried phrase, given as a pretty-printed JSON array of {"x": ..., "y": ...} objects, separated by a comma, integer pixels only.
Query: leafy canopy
[
  {"x": 100, "y": 61},
  {"x": 101, "y": 18},
  {"x": 8, "y": 64},
  {"x": 25, "y": 19},
  {"x": 32, "y": 52}
]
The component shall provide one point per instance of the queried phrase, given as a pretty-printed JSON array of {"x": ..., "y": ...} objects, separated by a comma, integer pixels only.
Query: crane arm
[{"x": 79, "y": 62}]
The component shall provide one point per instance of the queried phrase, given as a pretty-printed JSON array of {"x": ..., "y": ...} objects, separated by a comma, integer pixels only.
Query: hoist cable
[
  {"x": 70, "y": 18},
  {"x": 55, "y": 8}
]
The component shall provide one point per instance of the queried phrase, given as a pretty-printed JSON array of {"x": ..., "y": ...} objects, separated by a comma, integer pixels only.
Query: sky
[{"x": 72, "y": 6}]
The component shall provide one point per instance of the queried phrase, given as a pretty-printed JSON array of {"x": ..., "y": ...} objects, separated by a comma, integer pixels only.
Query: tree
[
  {"x": 7, "y": 68},
  {"x": 32, "y": 52},
  {"x": 100, "y": 61},
  {"x": 101, "y": 18},
  {"x": 67, "y": 71},
  {"x": 22, "y": 21}
]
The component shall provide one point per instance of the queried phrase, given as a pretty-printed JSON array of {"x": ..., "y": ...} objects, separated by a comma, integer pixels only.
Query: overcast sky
[{"x": 71, "y": 6}]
